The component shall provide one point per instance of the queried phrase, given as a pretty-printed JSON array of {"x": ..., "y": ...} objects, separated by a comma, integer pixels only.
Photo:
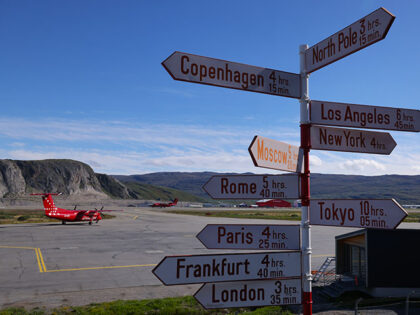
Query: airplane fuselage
[{"x": 72, "y": 215}]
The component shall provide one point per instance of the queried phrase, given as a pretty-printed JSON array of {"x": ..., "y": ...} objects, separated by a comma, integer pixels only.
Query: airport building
[{"x": 383, "y": 262}]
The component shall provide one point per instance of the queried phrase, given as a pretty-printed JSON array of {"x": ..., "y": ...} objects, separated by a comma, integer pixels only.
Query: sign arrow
[
  {"x": 361, "y": 34},
  {"x": 250, "y": 293},
  {"x": 253, "y": 186},
  {"x": 351, "y": 140},
  {"x": 364, "y": 116},
  {"x": 250, "y": 236},
  {"x": 228, "y": 267},
  {"x": 204, "y": 70},
  {"x": 275, "y": 154},
  {"x": 363, "y": 213}
]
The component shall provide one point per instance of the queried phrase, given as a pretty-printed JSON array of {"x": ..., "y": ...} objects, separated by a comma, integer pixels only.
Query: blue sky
[{"x": 83, "y": 80}]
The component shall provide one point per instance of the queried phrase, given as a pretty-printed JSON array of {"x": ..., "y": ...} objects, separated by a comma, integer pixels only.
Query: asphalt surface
[{"x": 50, "y": 264}]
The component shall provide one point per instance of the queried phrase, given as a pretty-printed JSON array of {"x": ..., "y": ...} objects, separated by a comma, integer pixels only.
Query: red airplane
[
  {"x": 164, "y": 205},
  {"x": 65, "y": 215}
]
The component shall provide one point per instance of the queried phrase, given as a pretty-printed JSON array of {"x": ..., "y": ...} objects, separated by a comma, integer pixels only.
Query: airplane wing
[
  {"x": 82, "y": 212},
  {"x": 91, "y": 213}
]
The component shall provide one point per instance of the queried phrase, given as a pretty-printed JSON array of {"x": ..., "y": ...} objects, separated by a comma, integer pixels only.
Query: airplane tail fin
[
  {"x": 48, "y": 201},
  {"x": 175, "y": 201}
]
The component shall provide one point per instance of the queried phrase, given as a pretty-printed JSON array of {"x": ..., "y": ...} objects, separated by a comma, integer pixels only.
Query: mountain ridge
[
  {"x": 20, "y": 178},
  {"x": 404, "y": 188}
]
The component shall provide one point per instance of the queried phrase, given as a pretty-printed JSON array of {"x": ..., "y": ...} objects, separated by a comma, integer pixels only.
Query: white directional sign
[
  {"x": 275, "y": 154},
  {"x": 250, "y": 236},
  {"x": 374, "y": 213},
  {"x": 250, "y": 293},
  {"x": 228, "y": 267},
  {"x": 253, "y": 186},
  {"x": 365, "y": 32},
  {"x": 364, "y": 116},
  {"x": 198, "y": 69},
  {"x": 351, "y": 140}
]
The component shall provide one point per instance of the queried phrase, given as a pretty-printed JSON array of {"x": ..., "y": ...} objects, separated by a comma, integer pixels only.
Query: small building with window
[{"x": 384, "y": 262}]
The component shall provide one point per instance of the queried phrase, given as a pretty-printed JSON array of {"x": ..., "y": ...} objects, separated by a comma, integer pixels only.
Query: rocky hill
[
  {"x": 18, "y": 178},
  {"x": 75, "y": 179}
]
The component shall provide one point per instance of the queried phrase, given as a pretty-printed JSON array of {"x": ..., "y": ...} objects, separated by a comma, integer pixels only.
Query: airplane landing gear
[
  {"x": 90, "y": 222},
  {"x": 63, "y": 222}
]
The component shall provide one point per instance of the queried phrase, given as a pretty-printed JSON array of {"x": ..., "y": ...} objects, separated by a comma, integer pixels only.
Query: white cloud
[
  {"x": 135, "y": 163},
  {"x": 117, "y": 147},
  {"x": 416, "y": 168},
  {"x": 117, "y": 132},
  {"x": 361, "y": 165},
  {"x": 315, "y": 161}
]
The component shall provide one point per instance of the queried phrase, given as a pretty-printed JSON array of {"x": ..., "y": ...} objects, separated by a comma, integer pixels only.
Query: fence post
[
  {"x": 356, "y": 306},
  {"x": 407, "y": 302}
]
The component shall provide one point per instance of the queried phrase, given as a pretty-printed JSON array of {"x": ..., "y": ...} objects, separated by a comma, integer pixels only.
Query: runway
[{"x": 50, "y": 264}]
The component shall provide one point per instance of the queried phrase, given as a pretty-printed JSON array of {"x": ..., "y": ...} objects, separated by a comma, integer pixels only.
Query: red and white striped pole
[{"x": 305, "y": 143}]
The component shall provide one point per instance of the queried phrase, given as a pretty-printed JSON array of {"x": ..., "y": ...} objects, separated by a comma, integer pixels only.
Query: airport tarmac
[{"x": 50, "y": 264}]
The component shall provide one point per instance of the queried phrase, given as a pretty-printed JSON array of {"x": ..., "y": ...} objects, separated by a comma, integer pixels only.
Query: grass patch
[
  {"x": 245, "y": 214},
  {"x": 180, "y": 305},
  {"x": 19, "y": 216},
  {"x": 293, "y": 215},
  {"x": 412, "y": 217}
]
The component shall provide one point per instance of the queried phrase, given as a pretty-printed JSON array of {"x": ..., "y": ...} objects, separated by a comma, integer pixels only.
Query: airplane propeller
[{"x": 100, "y": 212}]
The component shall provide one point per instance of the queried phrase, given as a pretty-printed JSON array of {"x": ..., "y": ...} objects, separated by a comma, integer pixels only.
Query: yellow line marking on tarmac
[
  {"x": 18, "y": 247},
  {"x": 38, "y": 254},
  {"x": 107, "y": 267},
  {"x": 38, "y": 260},
  {"x": 42, "y": 260},
  {"x": 43, "y": 268},
  {"x": 135, "y": 218}
]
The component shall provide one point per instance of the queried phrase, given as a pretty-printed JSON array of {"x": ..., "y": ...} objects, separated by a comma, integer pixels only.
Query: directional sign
[
  {"x": 228, "y": 267},
  {"x": 374, "y": 213},
  {"x": 365, "y": 32},
  {"x": 364, "y": 116},
  {"x": 253, "y": 186},
  {"x": 250, "y": 293},
  {"x": 275, "y": 154},
  {"x": 351, "y": 140},
  {"x": 198, "y": 69},
  {"x": 250, "y": 236}
]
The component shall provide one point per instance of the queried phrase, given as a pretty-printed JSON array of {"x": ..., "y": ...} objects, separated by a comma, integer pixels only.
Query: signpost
[
  {"x": 351, "y": 140},
  {"x": 198, "y": 69},
  {"x": 364, "y": 116},
  {"x": 281, "y": 266},
  {"x": 363, "y": 213},
  {"x": 228, "y": 267},
  {"x": 275, "y": 154},
  {"x": 361, "y": 34},
  {"x": 250, "y": 293},
  {"x": 253, "y": 186},
  {"x": 250, "y": 236}
]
